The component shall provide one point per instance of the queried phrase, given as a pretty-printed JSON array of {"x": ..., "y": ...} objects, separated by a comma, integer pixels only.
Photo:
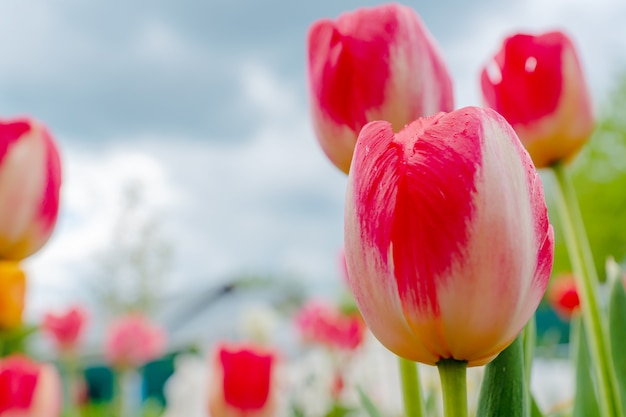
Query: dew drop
[{"x": 530, "y": 64}]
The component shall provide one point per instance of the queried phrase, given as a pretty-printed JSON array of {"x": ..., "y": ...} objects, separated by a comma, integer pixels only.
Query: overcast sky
[{"x": 204, "y": 102}]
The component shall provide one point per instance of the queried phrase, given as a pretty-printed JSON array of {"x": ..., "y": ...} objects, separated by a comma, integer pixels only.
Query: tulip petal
[
  {"x": 499, "y": 271},
  {"x": 537, "y": 84},
  {"x": 531, "y": 69},
  {"x": 368, "y": 254}
]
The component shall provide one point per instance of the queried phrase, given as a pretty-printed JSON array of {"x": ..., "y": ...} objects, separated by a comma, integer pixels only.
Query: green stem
[
  {"x": 118, "y": 393},
  {"x": 411, "y": 392},
  {"x": 454, "y": 387},
  {"x": 71, "y": 381},
  {"x": 583, "y": 267}
]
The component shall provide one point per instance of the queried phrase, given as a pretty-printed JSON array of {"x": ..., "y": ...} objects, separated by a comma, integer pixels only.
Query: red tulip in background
[
  {"x": 447, "y": 238},
  {"x": 376, "y": 63},
  {"x": 30, "y": 178},
  {"x": 132, "y": 341},
  {"x": 242, "y": 382},
  {"x": 28, "y": 388},
  {"x": 65, "y": 328},
  {"x": 537, "y": 84},
  {"x": 319, "y": 322},
  {"x": 563, "y": 295}
]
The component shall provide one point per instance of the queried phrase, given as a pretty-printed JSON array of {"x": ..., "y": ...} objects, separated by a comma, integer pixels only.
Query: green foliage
[
  {"x": 585, "y": 401},
  {"x": 149, "y": 409},
  {"x": 14, "y": 340},
  {"x": 503, "y": 391},
  {"x": 534, "y": 408},
  {"x": 339, "y": 410},
  {"x": 367, "y": 403},
  {"x": 617, "y": 333},
  {"x": 599, "y": 176}
]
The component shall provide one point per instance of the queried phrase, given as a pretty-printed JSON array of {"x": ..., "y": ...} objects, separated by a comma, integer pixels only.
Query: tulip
[
  {"x": 28, "y": 388},
  {"x": 30, "y": 178},
  {"x": 447, "y": 238},
  {"x": 563, "y": 296},
  {"x": 12, "y": 291},
  {"x": 65, "y": 328},
  {"x": 377, "y": 63},
  {"x": 242, "y": 382},
  {"x": 321, "y": 323},
  {"x": 537, "y": 84},
  {"x": 132, "y": 341}
]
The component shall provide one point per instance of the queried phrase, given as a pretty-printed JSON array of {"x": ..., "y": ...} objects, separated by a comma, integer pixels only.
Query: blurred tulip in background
[
  {"x": 28, "y": 388},
  {"x": 30, "y": 179},
  {"x": 536, "y": 82},
  {"x": 378, "y": 63}
]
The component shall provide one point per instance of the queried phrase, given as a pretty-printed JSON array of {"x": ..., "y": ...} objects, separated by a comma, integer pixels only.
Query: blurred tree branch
[{"x": 133, "y": 270}]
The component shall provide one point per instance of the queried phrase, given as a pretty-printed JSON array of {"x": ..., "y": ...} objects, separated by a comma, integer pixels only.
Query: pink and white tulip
[
  {"x": 537, "y": 84},
  {"x": 132, "y": 341},
  {"x": 242, "y": 383},
  {"x": 28, "y": 388},
  {"x": 447, "y": 238},
  {"x": 30, "y": 179},
  {"x": 65, "y": 328},
  {"x": 378, "y": 63}
]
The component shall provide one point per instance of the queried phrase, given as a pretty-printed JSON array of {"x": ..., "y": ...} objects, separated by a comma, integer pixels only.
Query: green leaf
[
  {"x": 617, "y": 334},
  {"x": 339, "y": 410},
  {"x": 14, "y": 340},
  {"x": 534, "y": 407},
  {"x": 367, "y": 403},
  {"x": 585, "y": 401},
  {"x": 297, "y": 411},
  {"x": 530, "y": 341},
  {"x": 503, "y": 391}
]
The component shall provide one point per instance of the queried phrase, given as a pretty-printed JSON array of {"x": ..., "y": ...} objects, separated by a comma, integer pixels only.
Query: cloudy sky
[{"x": 205, "y": 104}]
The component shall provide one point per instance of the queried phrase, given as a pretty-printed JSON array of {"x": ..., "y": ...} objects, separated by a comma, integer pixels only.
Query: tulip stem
[
  {"x": 454, "y": 387},
  {"x": 411, "y": 392},
  {"x": 116, "y": 402},
  {"x": 586, "y": 277},
  {"x": 70, "y": 381}
]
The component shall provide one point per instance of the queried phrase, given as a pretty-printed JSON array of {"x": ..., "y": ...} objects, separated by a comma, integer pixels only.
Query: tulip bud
[
  {"x": 132, "y": 341},
  {"x": 447, "y": 238},
  {"x": 12, "y": 291},
  {"x": 29, "y": 389},
  {"x": 563, "y": 296},
  {"x": 65, "y": 328},
  {"x": 30, "y": 178},
  {"x": 377, "y": 63},
  {"x": 537, "y": 84},
  {"x": 242, "y": 382}
]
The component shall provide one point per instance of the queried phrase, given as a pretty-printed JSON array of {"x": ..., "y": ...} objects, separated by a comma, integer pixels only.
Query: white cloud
[{"x": 273, "y": 204}]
